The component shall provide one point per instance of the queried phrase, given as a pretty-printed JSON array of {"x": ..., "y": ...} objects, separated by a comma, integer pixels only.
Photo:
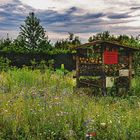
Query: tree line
[{"x": 32, "y": 39}]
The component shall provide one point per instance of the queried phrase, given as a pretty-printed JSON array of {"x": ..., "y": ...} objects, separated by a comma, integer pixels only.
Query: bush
[{"x": 4, "y": 64}]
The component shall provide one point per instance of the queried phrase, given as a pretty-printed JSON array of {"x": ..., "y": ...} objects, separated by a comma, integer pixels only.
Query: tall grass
[
  {"x": 36, "y": 106},
  {"x": 136, "y": 85}
]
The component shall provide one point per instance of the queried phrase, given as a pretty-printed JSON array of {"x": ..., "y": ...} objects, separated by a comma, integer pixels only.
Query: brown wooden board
[
  {"x": 90, "y": 70},
  {"x": 90, "y": 83},
  {"x": 122, "y": 82}
]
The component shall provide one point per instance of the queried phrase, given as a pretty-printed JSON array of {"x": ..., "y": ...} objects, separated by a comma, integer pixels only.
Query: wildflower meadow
[{"x": 45, "y": 106}]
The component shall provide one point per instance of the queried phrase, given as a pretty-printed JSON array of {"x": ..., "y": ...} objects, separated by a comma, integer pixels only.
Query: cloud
[
  {"x": 12, "y": 15},
  {"x": 12, "y": 33},
  {"x": 82, "y": 17},
  {"x": 59, "y": 36},
  {"x": 118, "y": 16},
  {"x": 135, "y": 8},
  {"x": 60, "y": 5},
  {"x": 5, "y": 1},
  {"x": 87, "y": 5}
]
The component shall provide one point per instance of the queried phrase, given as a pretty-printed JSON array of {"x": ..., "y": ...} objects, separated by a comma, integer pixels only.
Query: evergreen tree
[{"x": 33, "y": 34}]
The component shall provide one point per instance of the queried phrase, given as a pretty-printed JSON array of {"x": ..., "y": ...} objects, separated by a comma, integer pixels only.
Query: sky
[{"x": 81, "y": 17}]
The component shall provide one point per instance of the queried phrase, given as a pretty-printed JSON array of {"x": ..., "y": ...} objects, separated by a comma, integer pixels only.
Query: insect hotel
[{"x": 102, "y": 64}]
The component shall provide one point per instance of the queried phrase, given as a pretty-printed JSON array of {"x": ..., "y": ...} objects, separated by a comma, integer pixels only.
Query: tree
[
  {"x": 71, "y": 36},
  {"x": 33, "y": 34},
  {"x": 100, "y": 36},
  {"x": 69, "y": 43},
  {"x": 5, "y": 43},
  {"x": 90, "y": 39}
]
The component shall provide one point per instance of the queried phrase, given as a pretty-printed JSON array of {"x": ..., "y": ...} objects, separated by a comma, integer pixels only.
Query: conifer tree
[{"x": 33, "y": 34}]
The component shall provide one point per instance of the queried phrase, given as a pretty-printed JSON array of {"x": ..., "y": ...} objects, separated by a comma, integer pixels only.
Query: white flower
[
  {"x": 6, "y": 110},
  {"x": 103, "y": 124}
]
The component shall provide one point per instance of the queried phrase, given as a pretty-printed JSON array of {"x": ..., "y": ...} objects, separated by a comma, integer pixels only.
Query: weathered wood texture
[{"x": 93, "y": 60}]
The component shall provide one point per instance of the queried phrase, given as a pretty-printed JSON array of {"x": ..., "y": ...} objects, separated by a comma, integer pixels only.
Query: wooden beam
[
  {"x": 77, "y": 70},
  {"x": 104, "y": 91},
  {"x": 130, "y": 69}
]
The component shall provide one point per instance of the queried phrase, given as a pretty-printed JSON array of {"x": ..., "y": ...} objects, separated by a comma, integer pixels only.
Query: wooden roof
[{"x": 115, "y": 44}]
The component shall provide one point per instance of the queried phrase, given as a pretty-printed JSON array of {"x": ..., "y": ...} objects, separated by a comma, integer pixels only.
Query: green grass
[{"x": 36, "y": 106}]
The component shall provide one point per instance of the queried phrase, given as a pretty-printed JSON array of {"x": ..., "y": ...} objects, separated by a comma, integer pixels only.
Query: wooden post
[
  {"x": 130, "y": 69},
  {"x": 77, "y": 71},
  {"x": 104, "y": 91}
]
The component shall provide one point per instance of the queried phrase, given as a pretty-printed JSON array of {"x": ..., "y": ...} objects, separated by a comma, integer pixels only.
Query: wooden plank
[
  {"x": 90, "y": 70},
  {"x": 122, "y": 82},
  {"x": 77, "y": 71},
  {"x": 91, "y": 83},
  {"x": 130, "y": 69},
  {"x": 104, "y": 90}
]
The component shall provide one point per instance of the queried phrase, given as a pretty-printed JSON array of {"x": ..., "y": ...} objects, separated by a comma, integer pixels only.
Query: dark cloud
[
  {"x": 118, "y": 16},
  {"x": 10, "y": 20},
  {"x": 94, "y": 16},
  {"x": 13, "y": 14},
  {"x": 135, "y": 8},
  {"x": 72, "y": 10},
  {"x": 68, "y": 21}
]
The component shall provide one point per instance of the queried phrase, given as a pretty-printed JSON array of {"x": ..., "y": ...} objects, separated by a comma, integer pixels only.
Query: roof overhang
[{"x": 114, "y": 44}]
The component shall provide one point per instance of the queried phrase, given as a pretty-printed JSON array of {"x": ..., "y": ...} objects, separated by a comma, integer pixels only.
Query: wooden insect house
[{"x": 103, "y": 64}]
